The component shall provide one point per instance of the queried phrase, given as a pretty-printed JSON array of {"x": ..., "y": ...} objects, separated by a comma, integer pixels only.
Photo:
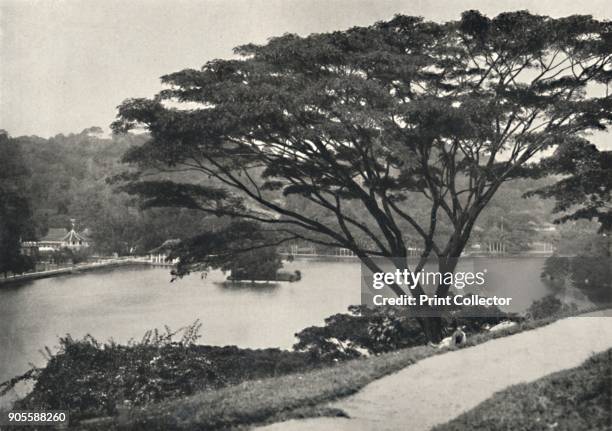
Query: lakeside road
[
  {"x": 440, "y": 388},
  {"x": 80, "y": 268}
]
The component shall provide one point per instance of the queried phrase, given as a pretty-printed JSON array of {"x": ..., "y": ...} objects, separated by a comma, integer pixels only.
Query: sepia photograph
[{"x": 304, "y": 215}]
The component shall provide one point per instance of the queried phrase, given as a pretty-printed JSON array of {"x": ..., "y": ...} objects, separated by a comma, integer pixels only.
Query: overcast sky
[{"x": 66, "y": 65}]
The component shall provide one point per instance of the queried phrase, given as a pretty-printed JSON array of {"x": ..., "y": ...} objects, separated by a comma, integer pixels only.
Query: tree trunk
[
  {"x": 432, "y": 327},
  {"x": 431, "y": 323}
]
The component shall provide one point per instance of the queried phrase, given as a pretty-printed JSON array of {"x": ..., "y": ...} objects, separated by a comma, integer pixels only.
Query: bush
[
  {"x": 592, "y": 275},
  {"x": 384, "y": 329},
  {"x": 92, "y": 379},
  {"x": 23, "y": 263},
  {"x": 237, "y": 365},
  {"x": 373, "y": 329},
  {"x": 548, "y": 306},
  {"x": 80, "y": 256}
]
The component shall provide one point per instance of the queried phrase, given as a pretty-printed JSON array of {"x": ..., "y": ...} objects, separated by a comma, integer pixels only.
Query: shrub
[
  {"x": 373, "y": 329},
  {"x": 592, "y": 275},
  {"x": 548, "y": 306},
  {"x": 383, "y": 329},
  {"x": 89, "y": 378},
  {"x": 92, "y": 379}
]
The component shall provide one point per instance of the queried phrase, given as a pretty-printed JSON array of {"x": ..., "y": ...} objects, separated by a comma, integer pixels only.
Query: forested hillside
[{"x": 69, "y": 177}]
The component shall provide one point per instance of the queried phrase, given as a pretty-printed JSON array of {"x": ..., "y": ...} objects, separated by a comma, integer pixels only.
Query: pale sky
[{"x": 66, "y": 65}]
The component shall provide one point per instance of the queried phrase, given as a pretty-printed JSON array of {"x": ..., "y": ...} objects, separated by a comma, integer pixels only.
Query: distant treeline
[{"x": 68, "y": 176}]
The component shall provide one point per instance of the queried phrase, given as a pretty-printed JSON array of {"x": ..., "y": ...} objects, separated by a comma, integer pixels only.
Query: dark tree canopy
[
  {"x": 365, "y": 123},
  {"x": 241, "y": 246},
  {"x": 585, "y": 191},
  {"x": 15, "y": 212}
]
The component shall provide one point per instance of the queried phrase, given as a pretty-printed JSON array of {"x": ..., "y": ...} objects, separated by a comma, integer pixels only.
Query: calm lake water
[{"x": 123, "y": 303}]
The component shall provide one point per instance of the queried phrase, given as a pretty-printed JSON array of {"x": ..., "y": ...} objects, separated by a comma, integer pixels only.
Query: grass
[
  {"x": 258, "y": 400},
  {"x": 303, "y": 394},
  {"x": 576, "y": 399}
]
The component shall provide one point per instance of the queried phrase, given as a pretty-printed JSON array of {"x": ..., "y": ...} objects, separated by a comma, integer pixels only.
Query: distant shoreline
[
  {"x": 78, "y": 268},
  {"x": 120, "y": 262}
]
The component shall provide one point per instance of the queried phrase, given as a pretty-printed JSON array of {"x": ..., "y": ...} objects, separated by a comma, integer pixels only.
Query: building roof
[
  {"x": 55, "y": 234},
  {"x": 72, "y": 236},
  {"x": 61, "y": 234}
]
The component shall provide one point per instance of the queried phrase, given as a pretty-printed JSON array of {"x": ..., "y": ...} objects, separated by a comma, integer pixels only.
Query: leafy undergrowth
[
  {"x": 380, "y": 329},
  {"x": 299, "y": 394},
  {"x": 258, "y": 400},
  {"x": 93, "y": 379},
  {"x": 163, "y": 383},
  {"x": 575, "y": 399}
]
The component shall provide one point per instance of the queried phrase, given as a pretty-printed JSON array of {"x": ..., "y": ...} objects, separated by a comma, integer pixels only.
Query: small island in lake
[{"x": 260, "y": 266}]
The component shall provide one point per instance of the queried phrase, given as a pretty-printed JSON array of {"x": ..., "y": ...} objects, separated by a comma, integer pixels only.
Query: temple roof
[
  {"x": 63, "y": 235},
  {"x": 73, "y": 236},
  {"x": 55, "y": 234}
]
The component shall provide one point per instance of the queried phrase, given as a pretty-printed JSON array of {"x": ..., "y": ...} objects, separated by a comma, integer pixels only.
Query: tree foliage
[
  {"x": 377, "y": 121},
  {"x": 242, "y": 247},
  {"x": 255, "y": 265},
  {"x": 70, "y": 176},
  {"x": 15, "y": 211},
  {"x": 585, "y": 191}
]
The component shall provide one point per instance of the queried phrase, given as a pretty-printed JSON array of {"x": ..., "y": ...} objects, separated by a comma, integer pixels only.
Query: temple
[{"x": 59, "y": 238}]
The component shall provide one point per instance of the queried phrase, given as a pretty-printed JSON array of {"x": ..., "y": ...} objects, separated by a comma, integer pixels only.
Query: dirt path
[{"x": 440, "y": 388}]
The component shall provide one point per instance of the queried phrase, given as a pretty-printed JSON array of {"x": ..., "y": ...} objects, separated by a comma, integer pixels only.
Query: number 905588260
[{"x": 27, "y": 417}]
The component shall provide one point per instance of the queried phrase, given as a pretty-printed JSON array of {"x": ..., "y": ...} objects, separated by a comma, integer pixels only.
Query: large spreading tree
[{"x": 372, "y": 125}]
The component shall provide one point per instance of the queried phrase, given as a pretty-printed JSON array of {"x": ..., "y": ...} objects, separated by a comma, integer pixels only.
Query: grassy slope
[
  {"x": 274, "y": 399},
  {"x": 575, "y": 399},
  {"x": 259, "y": 400}
]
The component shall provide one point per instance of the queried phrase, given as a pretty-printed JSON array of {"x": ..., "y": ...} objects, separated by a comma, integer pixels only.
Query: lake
[{"x": 123, "y": 303}]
